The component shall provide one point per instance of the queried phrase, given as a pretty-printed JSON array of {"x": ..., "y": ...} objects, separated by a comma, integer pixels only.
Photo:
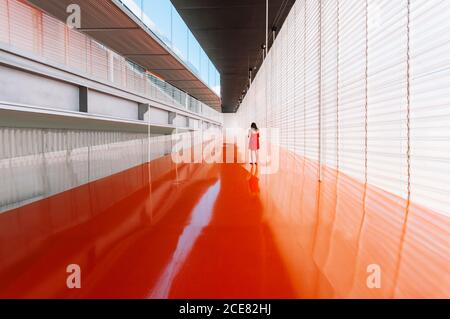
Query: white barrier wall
[
  {"x": 36, "y": 163},
  {"x": 362, "y": 86}
]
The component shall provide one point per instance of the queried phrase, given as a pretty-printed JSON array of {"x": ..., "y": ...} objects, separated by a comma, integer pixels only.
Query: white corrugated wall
[{"x": 363, "y": 86}]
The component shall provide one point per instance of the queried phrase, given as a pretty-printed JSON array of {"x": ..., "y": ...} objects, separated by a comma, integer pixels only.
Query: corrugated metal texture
[
  {"x": 312, "y": 80},
  {"x": 21, "y": 165},
  {"x": 366, "y": 85},
  {"x": 352, "y": 64},
  {"x": 4, "y": 26},
  {"x": 37, "y": 163},
  {"x": 283, "y": 80},
  {"x": 77, "y": 48},
  {"x": 290, "y": 85},
  {"x": 429, "y": 103},
  {"x": 387, "y": 95},
  {"x": 299, "y": 103},
  {"x": 23, "y": 31},
  {"x": 329, "y": 84}
]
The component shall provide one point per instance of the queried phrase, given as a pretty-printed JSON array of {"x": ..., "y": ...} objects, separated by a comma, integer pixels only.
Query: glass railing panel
[{"x": 161, "y": 17}]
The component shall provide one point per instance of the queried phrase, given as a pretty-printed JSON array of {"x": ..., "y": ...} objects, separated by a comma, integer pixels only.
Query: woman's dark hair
[{"x": 253, "y": 126}]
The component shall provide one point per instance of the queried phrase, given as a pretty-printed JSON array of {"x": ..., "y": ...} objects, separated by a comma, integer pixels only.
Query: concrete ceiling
[{"x": 231, "y": 32}]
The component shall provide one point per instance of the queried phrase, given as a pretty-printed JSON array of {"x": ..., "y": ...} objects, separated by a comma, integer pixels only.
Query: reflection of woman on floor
[
  {"x": 253, "y": 181},
  {"x": 253, "y": 143}
]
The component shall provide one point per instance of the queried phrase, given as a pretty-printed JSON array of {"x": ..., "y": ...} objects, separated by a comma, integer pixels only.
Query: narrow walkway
[{"x": 223, "y": 231}]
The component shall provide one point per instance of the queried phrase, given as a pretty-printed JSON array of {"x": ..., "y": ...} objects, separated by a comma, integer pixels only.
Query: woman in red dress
[{"x": 253, "y": 143}]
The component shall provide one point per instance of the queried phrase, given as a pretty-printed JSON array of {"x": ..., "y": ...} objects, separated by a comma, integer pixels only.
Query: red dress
[{"x": 253, "y": 144}]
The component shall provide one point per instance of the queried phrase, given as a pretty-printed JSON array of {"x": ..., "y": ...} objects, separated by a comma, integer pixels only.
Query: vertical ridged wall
[
  {"x": 37, "y": 163},
  {"x": 362, "y": 87}
]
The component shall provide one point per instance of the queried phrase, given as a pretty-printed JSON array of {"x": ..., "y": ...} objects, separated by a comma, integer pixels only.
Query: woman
[{"x": 253, "y": 143}]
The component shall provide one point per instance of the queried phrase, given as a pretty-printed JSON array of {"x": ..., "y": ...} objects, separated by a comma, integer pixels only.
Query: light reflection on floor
[{"x": 224, "y": 231}]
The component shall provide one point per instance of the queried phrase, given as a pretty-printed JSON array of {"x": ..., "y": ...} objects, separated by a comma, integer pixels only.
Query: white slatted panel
[
  {"x": 300, "y": 78},
  {"x": 289, "y": 126},
  {"x": 342, "y": 65},
  {"x": 267, "y": 66},
  {"x": 53, "y": 40},
  {"x": 37, "y": 163},
  {"x": 430, "y": 104},
  {"x": 277, "y": 67},
  {"x": 387, "y": 92},
  {"x": 77, "y": 46},
  {"x": 261, "y": 116},
  {"x": 295, "y": 48},
  {"x": 329, "y": 83},
  {"x": 282, "y": 55},
  {"x": 23, "y": 31},
  {"x": 4, "y": 25},
  {"x": 312, "y": 69},
  {"x": 352, "y": 30}
]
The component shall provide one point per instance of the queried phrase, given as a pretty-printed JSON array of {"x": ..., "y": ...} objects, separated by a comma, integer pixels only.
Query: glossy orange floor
[{"x": 222, "y": 231}]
